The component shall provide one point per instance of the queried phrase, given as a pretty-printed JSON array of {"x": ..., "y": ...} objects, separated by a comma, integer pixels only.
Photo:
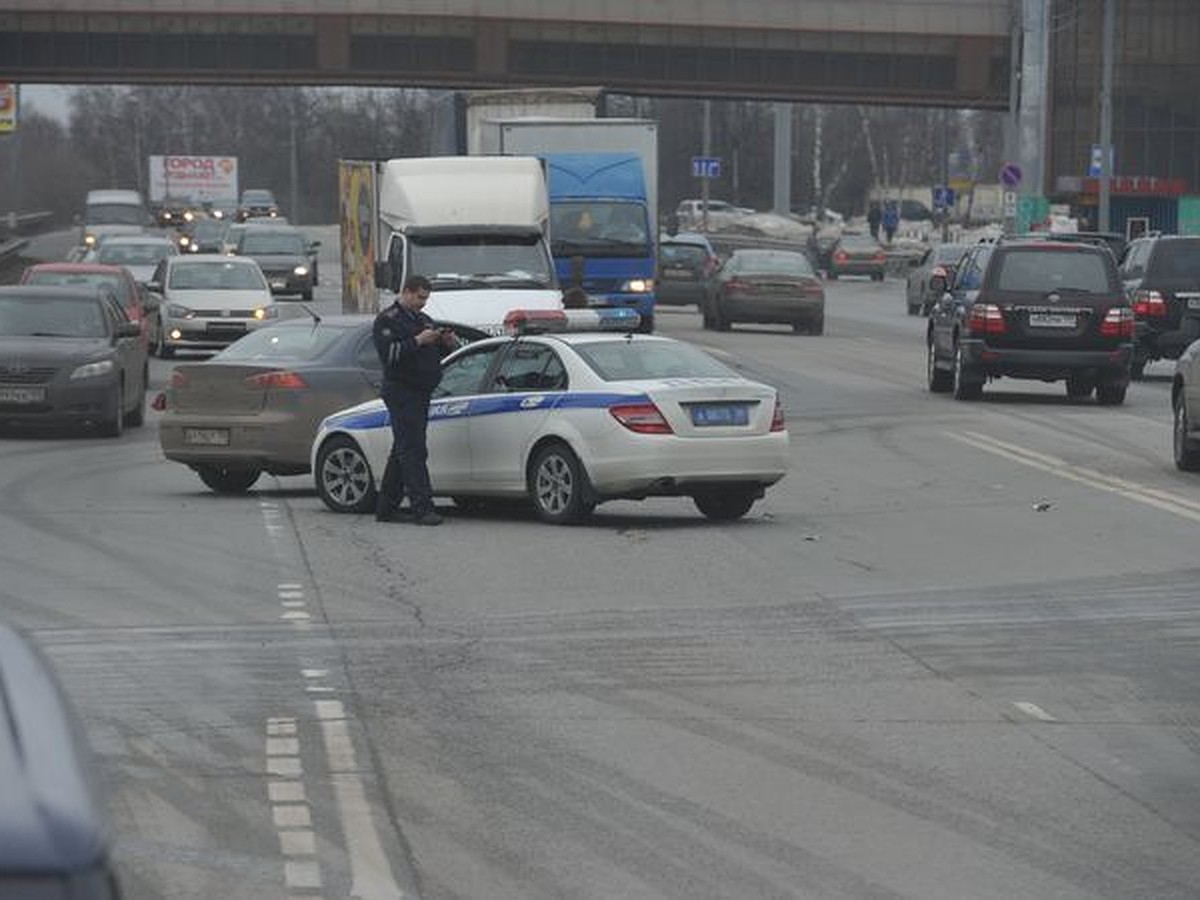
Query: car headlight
[
  {"x": 217, "y": 214},
  {"x": 179, "y": 312},
  {"x": 91, "y": 370},
  {"x": 90, "y": 240},
  {"x": 638, "y": 285},
  {"x": 300, "y": 270},
  {"x": 188, "y": 216},
  {"x": 266, "y": 312}
]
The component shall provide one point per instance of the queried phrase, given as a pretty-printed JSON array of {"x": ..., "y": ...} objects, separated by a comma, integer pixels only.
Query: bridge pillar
[{"x": 333, "y": 44}]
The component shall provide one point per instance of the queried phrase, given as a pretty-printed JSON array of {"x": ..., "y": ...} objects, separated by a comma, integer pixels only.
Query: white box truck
[{"x": 475, "y": 227}]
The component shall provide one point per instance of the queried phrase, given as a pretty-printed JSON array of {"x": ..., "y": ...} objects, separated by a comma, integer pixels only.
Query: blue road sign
[
  {"x": 1096, "y": 163},
  {"x": 943, "y": 197},
  {"x": 706, "y": 167},
  {"x": 1010, "y": 175}
]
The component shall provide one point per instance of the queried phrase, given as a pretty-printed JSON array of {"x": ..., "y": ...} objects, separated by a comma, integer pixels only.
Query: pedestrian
[
  {"x": 411, "y": 348},
  {"x": 873, "y": 218},
  {"x": 891, "y": 220}
]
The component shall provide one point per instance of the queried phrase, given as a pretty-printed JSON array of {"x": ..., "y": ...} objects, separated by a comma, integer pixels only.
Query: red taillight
[
  {"x": 986, "y": 318},
  {"x": 880, "y": 257},
  {"x": 1118, "y": 323},
  {"x": 644, "y": 418},
  {"x": 812, "y": 288},
  {"x": 282, "y": 380},
  {"x": 777, "y": 423},
  {"x": 841, "y": 256},
  {"x": 736, "y": 284},
  {"x": 1149, "y": 304},
  {"x": 159, "y": 404}
]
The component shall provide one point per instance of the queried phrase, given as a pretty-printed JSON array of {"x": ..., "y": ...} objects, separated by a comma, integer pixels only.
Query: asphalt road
[{"x": 952, "y": 655}]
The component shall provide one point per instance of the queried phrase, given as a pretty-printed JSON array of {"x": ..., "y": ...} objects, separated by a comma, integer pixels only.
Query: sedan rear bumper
[
  {"x": 773, "y": 308},
  {"x": 276, "y": 442},
  {"x": 1110, "y": 366}
]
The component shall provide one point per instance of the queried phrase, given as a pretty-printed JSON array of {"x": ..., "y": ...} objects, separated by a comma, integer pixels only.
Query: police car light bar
[{"x": 541, "y": 321}]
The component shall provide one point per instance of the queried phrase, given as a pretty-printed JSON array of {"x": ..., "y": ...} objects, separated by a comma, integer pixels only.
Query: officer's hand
[{"x": 428, "y": 336}]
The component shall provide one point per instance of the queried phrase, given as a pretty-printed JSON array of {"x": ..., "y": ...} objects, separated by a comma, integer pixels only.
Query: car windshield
[
  {"x": 257, "y": 198},
  {"x": 949, "y": 253},
  {"x": 208, "y": 229},
  {"x": 455, "y": 263},
  {"x": 1177, "y": 260},
  {"x": 292, "y": 342},
  {"x": 273, "y": 243},
  {"x": 131, "y": 254},
  {"x": 77, "y": 279},
  {"x": 114, "y": 214},
  {"x": 1044, "y": 271},
  {"x": 625, "y": 360},
  {"x": 859, "y": 242},
  {"x": 79, "y": 317},
  {"x": 221, "y": 276},
  {"x": 772, "y": 264},
  {"x": 598, "y": 229}
]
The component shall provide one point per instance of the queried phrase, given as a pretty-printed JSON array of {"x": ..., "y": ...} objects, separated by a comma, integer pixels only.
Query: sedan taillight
[
  {"x": 1118, "y": 322},
  {"x": 644, "y": 418},
  {"x": 986, "y": 318},
  {"x": 281, "y": 379},
  {"x": 736, "y": 284}
]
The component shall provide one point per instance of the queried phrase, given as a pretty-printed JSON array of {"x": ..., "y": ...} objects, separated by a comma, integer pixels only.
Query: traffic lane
[{"x": 159, "y": 607}]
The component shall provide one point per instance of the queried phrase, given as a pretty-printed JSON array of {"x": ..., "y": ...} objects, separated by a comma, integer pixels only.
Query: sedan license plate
[
  {"x": 718, "y": 414},
  {"x": 22, "y": 394},
  {"x": 676, "y": 273},
  {"x": 1052, "y": 320},
  {"x": 206, "y": 437},
  {"x": 1193, "y": 302}
]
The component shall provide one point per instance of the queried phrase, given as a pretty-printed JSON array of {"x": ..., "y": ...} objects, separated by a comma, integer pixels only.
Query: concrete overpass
[{"x": 925, "y": 52}]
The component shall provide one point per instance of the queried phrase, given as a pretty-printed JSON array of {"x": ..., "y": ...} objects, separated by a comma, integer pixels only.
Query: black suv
[
  {"x": 1039, "y": 310},
  {"x": 1162, "y": 281}
]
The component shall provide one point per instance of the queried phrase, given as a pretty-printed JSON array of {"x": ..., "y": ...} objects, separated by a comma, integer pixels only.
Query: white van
[{"x": 109, "y": 212}]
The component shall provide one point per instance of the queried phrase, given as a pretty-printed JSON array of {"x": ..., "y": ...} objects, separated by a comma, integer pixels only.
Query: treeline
[{"x": 839, "y": 152}]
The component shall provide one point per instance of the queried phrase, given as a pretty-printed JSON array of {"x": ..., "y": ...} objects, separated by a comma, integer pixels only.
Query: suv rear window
[
  {"x": 688, "y": 255},
  {"x": 1177, "y": 260},
  {"x": 1042, "y": 271}
]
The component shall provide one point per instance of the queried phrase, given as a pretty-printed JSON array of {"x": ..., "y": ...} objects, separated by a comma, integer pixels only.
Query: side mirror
[
  {"x": 383, "y": 276},
  {"x": 129, "y": 329},
  {"x": 154, "y": 287},
  {"x": 313, "y": 245},
  {"x": 937, "y": 284}
]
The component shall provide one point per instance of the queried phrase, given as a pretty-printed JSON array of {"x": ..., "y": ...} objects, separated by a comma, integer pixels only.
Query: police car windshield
[{"x": 625, "y": 360}]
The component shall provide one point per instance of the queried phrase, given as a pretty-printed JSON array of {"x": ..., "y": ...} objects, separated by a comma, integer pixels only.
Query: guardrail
[{"x": 16, "y": 223}]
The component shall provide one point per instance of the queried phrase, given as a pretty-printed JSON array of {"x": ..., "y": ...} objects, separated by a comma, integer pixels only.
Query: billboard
[
  {"x": 212, "y": 179},
  {"x": 358, "y": 217},
  {"x": 8, "y": 107}
]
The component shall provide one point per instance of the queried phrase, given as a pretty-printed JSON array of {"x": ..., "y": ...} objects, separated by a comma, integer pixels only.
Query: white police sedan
[{"x": 570, "y": 418}]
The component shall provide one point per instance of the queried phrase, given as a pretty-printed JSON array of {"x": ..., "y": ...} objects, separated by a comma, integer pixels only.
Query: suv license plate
[
  {"x": 1193, "y": 302},
  {"x": 1051, "y": 320},
  {"x": 206, "y": 437}
]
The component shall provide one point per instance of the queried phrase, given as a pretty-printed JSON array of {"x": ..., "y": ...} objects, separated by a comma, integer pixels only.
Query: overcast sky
[{"x": 48, "y": 99}]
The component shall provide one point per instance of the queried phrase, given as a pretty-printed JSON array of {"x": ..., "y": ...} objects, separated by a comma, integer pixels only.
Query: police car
[{"x": 571, "y": 410}]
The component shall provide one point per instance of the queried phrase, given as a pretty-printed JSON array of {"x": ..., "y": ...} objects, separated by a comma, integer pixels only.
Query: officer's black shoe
[
  {"x": 429, "y": 517},
  {"x": 392, "y": 514}
]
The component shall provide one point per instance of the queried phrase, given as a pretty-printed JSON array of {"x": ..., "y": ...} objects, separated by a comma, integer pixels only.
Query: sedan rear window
[
  {"x": 1043, "y": 271},
  {"x": 683, "y": 255},
  {"x": 640, "y": 360},
  {"x": 288, "y": 342}
]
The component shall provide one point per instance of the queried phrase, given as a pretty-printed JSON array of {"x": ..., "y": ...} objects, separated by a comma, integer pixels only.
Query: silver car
[
  {"x": 208, "y": 301},
  {"x": 139, "y": 253}
]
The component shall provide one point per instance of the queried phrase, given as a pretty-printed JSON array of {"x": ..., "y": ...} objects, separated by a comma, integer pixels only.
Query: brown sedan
[{"x": 766, "y": 286}]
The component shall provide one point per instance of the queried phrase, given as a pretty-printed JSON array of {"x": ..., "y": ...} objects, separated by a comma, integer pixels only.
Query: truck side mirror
[{"x": 383, "y": 278}]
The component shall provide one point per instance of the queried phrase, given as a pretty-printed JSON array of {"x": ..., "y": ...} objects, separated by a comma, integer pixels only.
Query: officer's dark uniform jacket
[{"x": 404, "y": 361}]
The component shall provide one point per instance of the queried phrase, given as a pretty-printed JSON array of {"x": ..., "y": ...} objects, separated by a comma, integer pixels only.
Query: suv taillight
[
  {"x": 986, "y": 318},
  {"x": 1118, "y": 323},
  {"x": 1149, "y": 304}
]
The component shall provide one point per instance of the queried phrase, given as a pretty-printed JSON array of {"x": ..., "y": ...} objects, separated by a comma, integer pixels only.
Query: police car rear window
[{"x": 625, "y": 360}]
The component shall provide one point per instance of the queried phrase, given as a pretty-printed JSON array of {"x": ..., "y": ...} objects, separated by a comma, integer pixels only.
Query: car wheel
[
  {"x": 114, "y": 425},
  {"x": 832, "y": 276},
  {"x": 307, "y": 296},
  {"x": 1187, "y": 459},
  {"x": 1110, "y": 394},
  {"x": 1079, "y": 387},
  {"x": 1137, "y": 369},
  {"x": 161, "y": 350},
  {"x": 877, "y": 276},
  {"x": 940, "y": 381},
  {"x": 136, "y": 417},
  {"x": 720, "y": 320},
  {"x": 558, "y": 486},
  {"x": 913, "y": 309},
  {"x": 227, "y": 479},
  {"x": 343, "y": 476},
  {"x": 724, "y": 506},
  {"x": 646, "y": 326},
  {"x": 470, "y": 504},
  {"x": 964, "y": 387}
]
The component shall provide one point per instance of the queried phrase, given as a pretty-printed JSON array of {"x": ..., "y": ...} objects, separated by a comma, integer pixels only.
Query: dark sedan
[
  {"x": 857, "y": 254},
  {"x": 70, "y": 355},
  {"x": 283, "y": 254},
  {"x": 941, "y": 261},
  {"x": 766, "y": 286},
  {"x": 256, "y": 405},
  {"x": 686, "y": 263}
]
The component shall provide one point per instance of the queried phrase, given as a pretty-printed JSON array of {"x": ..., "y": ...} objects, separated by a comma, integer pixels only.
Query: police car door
[
  {"x": 450, "y": 409},
  {"x": 525, "y": 386}
]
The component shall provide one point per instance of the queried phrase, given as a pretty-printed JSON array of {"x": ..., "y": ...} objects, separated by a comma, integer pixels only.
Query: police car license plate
[
  {"x": 22, "y": 394},
  {"x": 206, "y": 437},
  {"x": 1051, "y": 320},
  {"x": 717, "y": 414}
]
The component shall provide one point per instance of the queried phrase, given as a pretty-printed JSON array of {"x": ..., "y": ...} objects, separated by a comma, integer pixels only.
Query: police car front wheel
[
  {"x": 344, "y": 480},
  {"x": 558, "y": 485}
]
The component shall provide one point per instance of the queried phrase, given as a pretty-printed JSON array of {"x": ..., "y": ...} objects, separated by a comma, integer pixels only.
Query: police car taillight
[
  {"x": 541, "y": 321},
  {"x": 777, "y": 423},
  {"x": 644, "y": 418}
]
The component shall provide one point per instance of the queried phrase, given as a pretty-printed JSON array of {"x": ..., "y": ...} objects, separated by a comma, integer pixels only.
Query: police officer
[{"x": 411, "y": 348}]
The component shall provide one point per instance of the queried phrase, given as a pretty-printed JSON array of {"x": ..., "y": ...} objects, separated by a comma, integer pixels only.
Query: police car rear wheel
[
  {"x": 725, "y": 505},
  {"x": 558, "y": 486},
  {"x": 344, "y": 480}
]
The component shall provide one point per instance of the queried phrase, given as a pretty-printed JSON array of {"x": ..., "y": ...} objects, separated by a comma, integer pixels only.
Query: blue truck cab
[{"x": 601, "y": 234}]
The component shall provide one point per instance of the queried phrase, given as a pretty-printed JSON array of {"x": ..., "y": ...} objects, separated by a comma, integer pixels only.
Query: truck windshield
[
  {"x": 598, "y": 228},
  {"x": 481, "y": 261},
  {"x": 114, "y": 214}
]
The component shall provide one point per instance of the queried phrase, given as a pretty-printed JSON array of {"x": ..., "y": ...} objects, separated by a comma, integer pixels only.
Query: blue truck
[{"x": 602, "y": 235}]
